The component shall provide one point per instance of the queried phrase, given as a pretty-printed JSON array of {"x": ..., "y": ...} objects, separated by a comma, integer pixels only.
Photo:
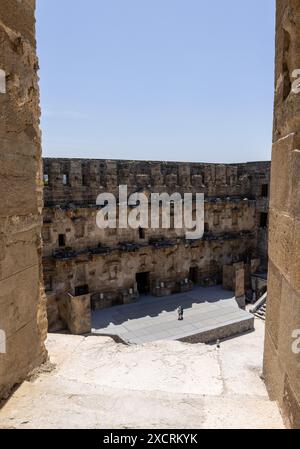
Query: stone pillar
[
  {"x": 240, "y": 286},
  {"x": 282, "y": 350},
  {"x": 234, "y": 279},
  {"x": 76, "y": 313},
  {"x": 23, "y": 324}
]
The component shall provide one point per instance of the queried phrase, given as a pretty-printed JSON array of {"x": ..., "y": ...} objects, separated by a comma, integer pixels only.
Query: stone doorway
[
  {"x": 143, "y": 283},
  {"x": 193, "y": 275},
  {"x": 82, "y": 290}
]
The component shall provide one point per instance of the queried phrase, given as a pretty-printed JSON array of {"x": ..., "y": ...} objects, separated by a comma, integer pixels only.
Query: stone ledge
[{"x": 217, "y": 333}]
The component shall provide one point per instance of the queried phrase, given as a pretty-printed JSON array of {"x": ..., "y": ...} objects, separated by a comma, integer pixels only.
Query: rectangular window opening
[
  {"x": 46, "y": 179},
  {"x": 263, "y": 220},
  {"x": 82, "y": 290},
  {"x": 142, "y": 233},
  {"x": 65, "y": 179},
  {"x": 62, "y": 240},
  {"x": 265, "y": 190}
]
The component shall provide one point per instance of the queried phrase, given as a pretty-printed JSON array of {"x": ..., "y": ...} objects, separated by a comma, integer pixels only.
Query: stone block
[
  {"x": 241, "y": 301},
  {"x": 78, "y": 314},
  {"x": 19, "y": 17},
  {"x": 291, "y": 405},
  {"x": 288, "y": 324},
  {"x": 273, "y": 303},
  {"x": 20, "y": 251},
  {"x": 19, "y": 300},
  {"x": 273, "y": 371},
  {"x": 281, "y": 243},
  {"x": 281, "y": 191},
  {"x": 240, "y": 283},
  {"x": 295, "y": 178},
  {"x": 55, "y": 322},
  {"x": 295, "y": 264},
  {"x": 228, "y": 277}
]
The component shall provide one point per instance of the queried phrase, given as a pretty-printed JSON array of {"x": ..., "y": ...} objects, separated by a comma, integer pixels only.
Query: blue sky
[{"x": 186, "y": 80}]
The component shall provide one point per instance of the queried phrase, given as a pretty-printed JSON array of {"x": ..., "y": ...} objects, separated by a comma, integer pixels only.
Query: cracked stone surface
[{"x": 98, "y": 383}]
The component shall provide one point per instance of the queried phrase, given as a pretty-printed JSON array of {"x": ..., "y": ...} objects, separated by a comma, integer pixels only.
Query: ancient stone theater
[
  {"x": 98, "y": 382},
  {"x": 105, "y": 267}
]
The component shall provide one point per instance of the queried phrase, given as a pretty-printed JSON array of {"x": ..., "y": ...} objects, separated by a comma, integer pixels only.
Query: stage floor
[{"x": 209, "y": 314}]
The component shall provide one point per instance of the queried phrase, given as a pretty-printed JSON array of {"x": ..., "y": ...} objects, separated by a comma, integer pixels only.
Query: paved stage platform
[{"x": 209, "y": 314}]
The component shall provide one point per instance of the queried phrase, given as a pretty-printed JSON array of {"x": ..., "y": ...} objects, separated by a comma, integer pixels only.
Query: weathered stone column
[
  {"x": 282, "y": 351},
  {"x": 22, "y": 309}
]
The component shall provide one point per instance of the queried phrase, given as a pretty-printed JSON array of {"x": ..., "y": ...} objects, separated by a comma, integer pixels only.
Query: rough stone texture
[
  {"x": 106, "y": 261},
  {"x": 101, "y": 384},
  {"x": 78, "y": 314},
  {"x": 219, "y": 332},
  {"x": 281, "y": 364},
  {"x": 234, "y": 279},
  {"x": 22, "y": 300}
]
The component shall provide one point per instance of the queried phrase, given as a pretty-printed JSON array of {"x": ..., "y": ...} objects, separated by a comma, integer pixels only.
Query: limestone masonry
[
  {"x": 87, "y": 268},
  {"x": 23, "y": 322},
  {"x": 86, "y": 265},
  {"x": 282, "y": 365}
]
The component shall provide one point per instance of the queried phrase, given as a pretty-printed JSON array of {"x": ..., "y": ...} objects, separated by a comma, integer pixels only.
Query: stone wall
[
  {"x": 105, "y": 263},
  {"x": 282, "y": 355},
  {"x": 22, "y": 305},
  {"x": 79, "y": 181}
]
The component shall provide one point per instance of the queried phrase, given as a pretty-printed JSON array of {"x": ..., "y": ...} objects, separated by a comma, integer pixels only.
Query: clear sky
[{"x": 157, "y": 79}]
